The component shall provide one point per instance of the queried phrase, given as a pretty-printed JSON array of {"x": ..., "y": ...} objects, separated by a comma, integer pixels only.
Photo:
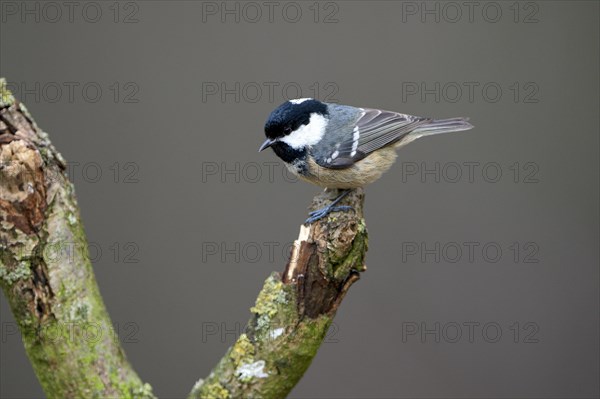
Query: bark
[
  {"x": 46, "y": 273},
  {"x": 47, "y": 278},
  {"x": 294, "y": 311}
]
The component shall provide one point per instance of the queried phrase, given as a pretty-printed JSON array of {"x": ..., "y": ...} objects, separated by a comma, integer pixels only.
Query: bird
[{"x": 341, "y": 146}]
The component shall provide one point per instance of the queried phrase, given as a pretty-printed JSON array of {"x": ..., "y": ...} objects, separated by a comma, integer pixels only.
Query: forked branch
[{"x": 66, "y": 330}]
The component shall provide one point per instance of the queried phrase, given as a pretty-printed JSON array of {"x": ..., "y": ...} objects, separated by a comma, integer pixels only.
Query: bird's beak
[{"x": 266, "y": 144}]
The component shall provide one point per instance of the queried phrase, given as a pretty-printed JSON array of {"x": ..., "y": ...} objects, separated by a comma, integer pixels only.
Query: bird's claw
[
  {"x": 338, "y": 208},
  {"x": 321, "y": 213}
]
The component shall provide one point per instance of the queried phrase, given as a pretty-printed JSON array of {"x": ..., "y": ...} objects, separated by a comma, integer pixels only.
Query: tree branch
[
  {"x": 47, "y": 277},
  {"x": 293, "y": 312},
  {"x": 46, "y": 273}
]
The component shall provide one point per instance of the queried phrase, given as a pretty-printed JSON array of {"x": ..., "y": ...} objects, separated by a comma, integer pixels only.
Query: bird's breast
[{"x": 359, "y": 174}]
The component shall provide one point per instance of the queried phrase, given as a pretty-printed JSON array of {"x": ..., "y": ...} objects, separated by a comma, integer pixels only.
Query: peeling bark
[
  {"x": 51, "y": 289},
  {"x": 293, "y": 312}
]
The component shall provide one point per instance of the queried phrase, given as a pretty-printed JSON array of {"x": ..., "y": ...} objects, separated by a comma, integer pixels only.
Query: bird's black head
[
  {"x": 290, "y": 115},
  {"x": 287, "y": 131}
]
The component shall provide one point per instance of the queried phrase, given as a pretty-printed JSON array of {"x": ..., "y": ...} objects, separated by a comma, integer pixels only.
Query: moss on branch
[
  {"x": 46, "y": 273},
  {"x": 293, "y": 312}
]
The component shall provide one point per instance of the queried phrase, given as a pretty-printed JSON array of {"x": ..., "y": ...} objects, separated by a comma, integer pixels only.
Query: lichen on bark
[
  {"x": 293, "y": 311},
  {"x": 45, "y": 270}
]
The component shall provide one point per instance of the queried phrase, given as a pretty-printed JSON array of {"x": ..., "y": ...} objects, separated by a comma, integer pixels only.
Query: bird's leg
[{"x": 321, "y": 213}]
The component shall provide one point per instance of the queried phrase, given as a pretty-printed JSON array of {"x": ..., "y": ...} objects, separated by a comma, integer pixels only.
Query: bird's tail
[{"x": 438, "y": 126}]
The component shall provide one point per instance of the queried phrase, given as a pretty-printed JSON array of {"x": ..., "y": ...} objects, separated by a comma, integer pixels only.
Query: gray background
[{"x": 177, "y": 307}]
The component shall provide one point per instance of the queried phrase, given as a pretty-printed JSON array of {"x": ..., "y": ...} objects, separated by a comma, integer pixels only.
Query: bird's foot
[{"x": 321, "y": 213}]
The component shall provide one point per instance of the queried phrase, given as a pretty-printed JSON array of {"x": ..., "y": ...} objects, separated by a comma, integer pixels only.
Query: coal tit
[{"x": 344, "y": 147}]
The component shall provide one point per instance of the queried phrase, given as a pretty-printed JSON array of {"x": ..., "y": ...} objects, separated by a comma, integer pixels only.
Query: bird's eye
[{"x": 287, "y": 130}]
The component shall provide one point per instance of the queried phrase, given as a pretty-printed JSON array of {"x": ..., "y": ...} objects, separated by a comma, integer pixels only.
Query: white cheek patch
[
  {"x": 299, "y": 100},
  {"x": 309, "y": 134}
]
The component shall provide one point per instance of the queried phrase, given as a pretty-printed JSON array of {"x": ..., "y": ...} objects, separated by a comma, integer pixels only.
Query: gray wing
[{"x": 371, "y": 130}]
